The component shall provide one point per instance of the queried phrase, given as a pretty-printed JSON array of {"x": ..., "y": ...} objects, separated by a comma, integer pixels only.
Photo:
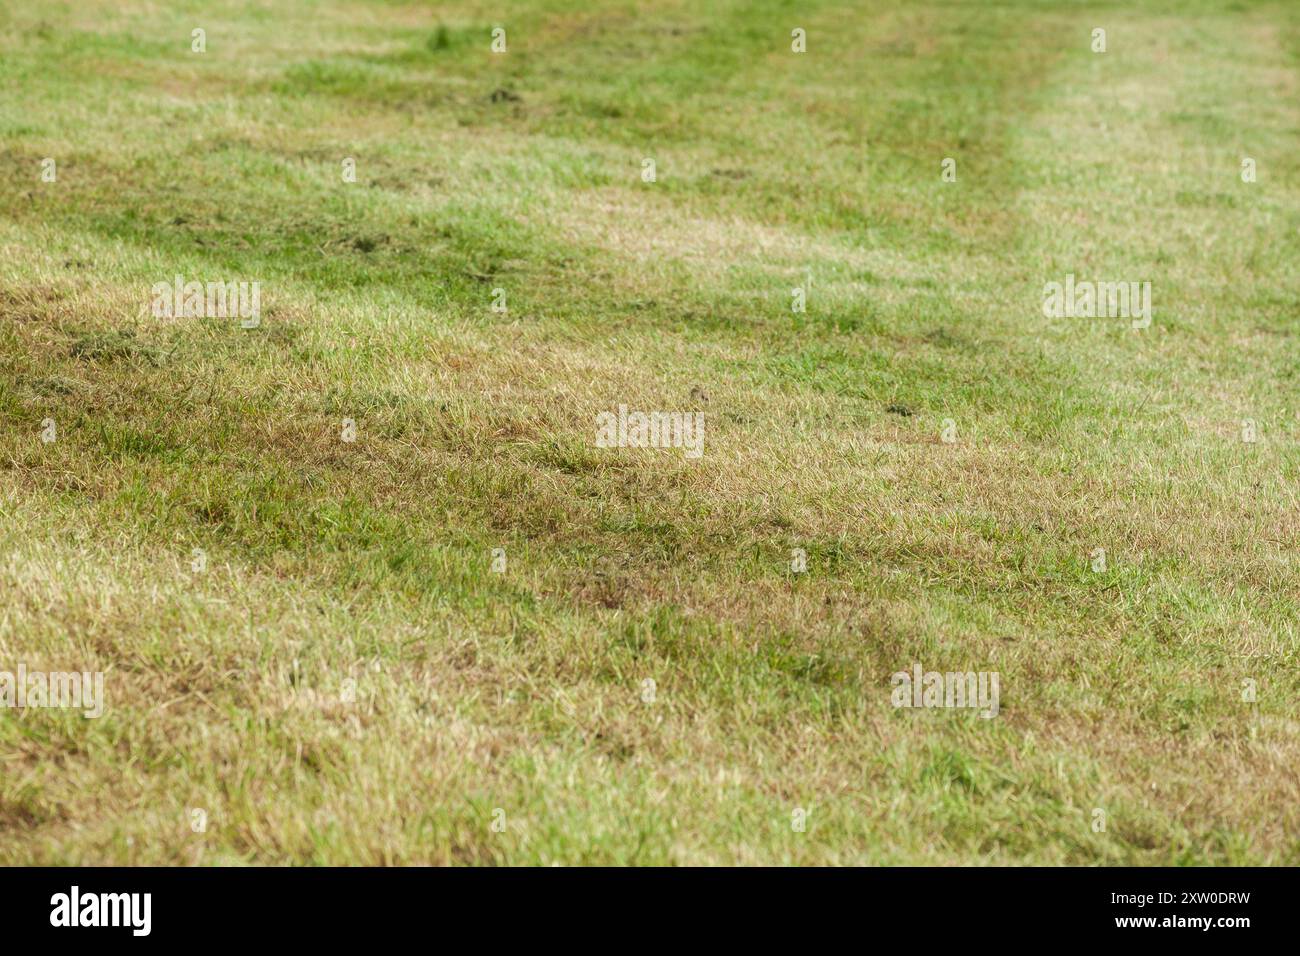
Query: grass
[{"x": 349, "y": 682}]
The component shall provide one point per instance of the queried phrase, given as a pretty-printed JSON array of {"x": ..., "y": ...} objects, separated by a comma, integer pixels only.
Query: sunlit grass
[{"x": 349, "y": 681}]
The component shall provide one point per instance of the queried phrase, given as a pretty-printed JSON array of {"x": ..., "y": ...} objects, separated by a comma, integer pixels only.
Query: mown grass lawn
[{"x": 348, "y": 680}]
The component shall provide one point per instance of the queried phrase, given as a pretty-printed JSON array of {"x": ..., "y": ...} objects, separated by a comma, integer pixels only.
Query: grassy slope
[{"x": 370, "y": 561}]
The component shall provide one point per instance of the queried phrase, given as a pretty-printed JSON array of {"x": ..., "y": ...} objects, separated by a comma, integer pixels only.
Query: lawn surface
[{"x": 348, "y": 680}]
